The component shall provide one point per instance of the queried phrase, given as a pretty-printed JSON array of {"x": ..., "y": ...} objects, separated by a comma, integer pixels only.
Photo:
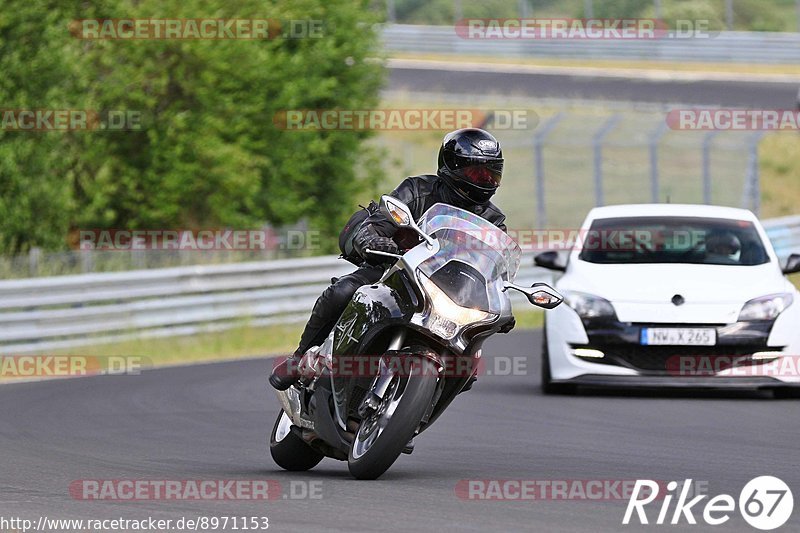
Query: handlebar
[{"x": 384, "y": 254}]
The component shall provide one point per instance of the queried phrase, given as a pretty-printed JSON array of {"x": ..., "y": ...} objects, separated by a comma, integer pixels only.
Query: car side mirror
[
  {"x": 550, "y": 261},
  {"x": 792, "y": 264}
]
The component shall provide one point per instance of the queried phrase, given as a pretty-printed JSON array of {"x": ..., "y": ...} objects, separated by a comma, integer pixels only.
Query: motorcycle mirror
[
  {"x": 396, "y": 211},
  {"x": 792, "y": 264},
  {"x": 539, "y": 294},
  {"x": 400, "y": 215}
]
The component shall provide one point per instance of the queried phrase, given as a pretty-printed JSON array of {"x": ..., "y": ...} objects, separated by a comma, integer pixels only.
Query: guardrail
[
  {"x": 42, "y": 314},
  {"x": 784, "y": 233},
  {"x": 726, "y": 46}
]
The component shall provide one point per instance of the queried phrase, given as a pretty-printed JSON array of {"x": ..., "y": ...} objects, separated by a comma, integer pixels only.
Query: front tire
[
  {"x": 289, "y": 451},
  {"x": 382, "y": 436}
]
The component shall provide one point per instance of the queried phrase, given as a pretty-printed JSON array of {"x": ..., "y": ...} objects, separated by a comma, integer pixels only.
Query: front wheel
[
  {"x": 288, "y": 450},
  {"x": 381, "y": 436}
]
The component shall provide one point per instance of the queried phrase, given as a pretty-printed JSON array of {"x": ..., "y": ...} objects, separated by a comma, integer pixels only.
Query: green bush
[{"x": 208, "y": 153}]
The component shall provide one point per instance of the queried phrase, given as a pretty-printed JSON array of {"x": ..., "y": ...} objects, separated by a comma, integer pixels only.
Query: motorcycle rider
[{"x": 470, "y": 171}]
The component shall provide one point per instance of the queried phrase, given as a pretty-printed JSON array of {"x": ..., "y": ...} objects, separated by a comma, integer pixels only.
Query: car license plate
[{"x": 679, "y": 336}]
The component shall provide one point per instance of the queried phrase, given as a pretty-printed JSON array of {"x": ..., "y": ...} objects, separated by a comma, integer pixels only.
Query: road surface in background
[{"x": 750, "y": 94}]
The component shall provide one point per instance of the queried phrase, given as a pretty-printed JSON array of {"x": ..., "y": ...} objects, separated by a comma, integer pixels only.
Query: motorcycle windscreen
[
  {"x": 481, "y": 243},
  {"x": 469, "y": 272}
]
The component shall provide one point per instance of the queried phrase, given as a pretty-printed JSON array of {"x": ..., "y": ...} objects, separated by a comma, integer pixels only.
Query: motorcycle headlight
[
  {"x": 589, "y": 306},
  {"x": 446, "y": 316},
  {"x": 765, "y": 308}
]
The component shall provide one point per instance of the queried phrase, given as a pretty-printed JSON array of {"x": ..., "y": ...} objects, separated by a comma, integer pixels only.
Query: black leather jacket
[{"x": 419, "y": 193}]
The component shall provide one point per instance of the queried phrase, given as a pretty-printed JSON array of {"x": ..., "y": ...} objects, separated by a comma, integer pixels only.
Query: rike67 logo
[{"x": 765, "y": 503}]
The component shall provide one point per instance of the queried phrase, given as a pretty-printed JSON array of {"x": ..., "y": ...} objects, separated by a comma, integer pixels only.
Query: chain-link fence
[
  {"x": 746, "y": 15},
  {"x": 577, "y": 157}
]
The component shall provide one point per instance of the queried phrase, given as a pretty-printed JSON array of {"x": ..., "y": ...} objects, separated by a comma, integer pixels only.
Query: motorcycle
[{"x": 405, "y": 347}]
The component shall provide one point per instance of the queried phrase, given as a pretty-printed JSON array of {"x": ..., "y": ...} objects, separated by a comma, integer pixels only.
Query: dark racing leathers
[{"x": 419, "y": 193}]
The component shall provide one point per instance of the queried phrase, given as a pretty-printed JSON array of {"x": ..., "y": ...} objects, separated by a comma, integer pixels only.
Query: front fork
[{"x": 382, "y": 381}]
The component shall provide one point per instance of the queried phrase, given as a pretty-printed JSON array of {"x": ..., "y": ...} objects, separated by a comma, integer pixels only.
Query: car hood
[{"x": 712, "y": 294}]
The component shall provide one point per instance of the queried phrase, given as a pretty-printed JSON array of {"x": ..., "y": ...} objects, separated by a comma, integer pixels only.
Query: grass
[
  {"x": 529, "y": 319},
  {"x": 780, "y": 174},
  {"x": 242, "y": 341}
]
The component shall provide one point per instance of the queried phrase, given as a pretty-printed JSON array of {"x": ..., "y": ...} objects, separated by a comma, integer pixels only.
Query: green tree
[{"x": 208, "y": 152}]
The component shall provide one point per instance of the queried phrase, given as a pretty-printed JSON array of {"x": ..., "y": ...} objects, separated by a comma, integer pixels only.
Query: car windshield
[{"x": 693, "y": 240}]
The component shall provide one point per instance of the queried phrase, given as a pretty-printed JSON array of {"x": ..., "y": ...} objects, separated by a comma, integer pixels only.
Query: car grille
[{"x": 660, "y": 359}]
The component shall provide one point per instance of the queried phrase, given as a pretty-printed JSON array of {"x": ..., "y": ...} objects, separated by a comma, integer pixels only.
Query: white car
[{"x": 672, "y": 295}]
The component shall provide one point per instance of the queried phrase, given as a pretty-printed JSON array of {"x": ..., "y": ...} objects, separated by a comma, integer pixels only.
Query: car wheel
[{"x": 785, "y": 393}]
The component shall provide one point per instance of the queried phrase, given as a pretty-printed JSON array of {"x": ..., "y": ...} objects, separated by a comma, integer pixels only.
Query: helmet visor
[{"x": 485, "y": 175}]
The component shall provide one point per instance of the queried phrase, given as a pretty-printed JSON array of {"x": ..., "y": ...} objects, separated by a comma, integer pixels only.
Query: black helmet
[{"x": 472, "y": 161}]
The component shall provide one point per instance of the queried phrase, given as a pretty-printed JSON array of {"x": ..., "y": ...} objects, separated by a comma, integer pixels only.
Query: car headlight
[
  {"x": 447, "y": 317},
  {"x": 766, "y": 307},
  {"x": 589, "y": 306}
]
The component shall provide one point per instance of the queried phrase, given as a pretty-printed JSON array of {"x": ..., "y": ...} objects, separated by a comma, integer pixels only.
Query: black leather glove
[
  {"x": 368, "y": 239},
  {"x": 508, "y": 327}
]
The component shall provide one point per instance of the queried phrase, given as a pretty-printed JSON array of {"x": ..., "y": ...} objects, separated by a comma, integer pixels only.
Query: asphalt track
[
  {"x": 211, "y": 422},
  {"x": 748, "y": 94}
]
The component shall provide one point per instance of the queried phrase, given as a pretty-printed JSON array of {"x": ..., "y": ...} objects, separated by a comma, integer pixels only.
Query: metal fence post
[
  {"x": 34, "y": 255},
  {"x": 655, "y": 138},
  {"x": 588, "y": 9},
  {"x": 87, "y": 260},
  {"x": 752, "y": 190},
  {"x": 729, "y": 14},
  {"x": 709, "y": 137},
  {"x": 597, "y": 142},
  {"x": 657, "y": 6},
  {"x": 391, "y": 13},
  {"x": 524, "y": 9},
  {"x": 538, "y": 141}
]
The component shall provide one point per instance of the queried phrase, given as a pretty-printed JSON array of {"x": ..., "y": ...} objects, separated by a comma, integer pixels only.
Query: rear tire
[
  {"x": 289, "y": 451},
  {"x": 406, "y": 402}
]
